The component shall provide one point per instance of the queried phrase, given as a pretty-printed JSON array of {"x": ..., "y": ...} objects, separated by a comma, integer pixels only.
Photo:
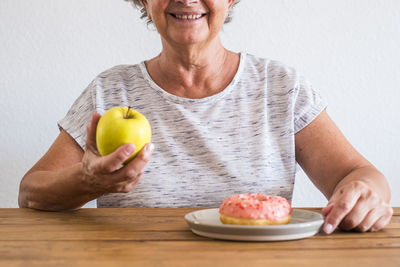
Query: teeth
[{"x": 188, "y": 16}]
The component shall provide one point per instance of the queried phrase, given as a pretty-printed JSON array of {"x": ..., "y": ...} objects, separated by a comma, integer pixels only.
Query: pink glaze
[{"x": 256, "y": 206}]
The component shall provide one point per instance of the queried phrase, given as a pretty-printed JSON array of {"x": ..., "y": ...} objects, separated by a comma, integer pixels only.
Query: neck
[
  {"x": 192, "y": 58},
  {"x": 193, "y": 71}
]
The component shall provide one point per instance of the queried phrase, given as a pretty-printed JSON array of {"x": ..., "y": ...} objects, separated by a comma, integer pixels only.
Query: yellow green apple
[{"x": 119, "y": 126}]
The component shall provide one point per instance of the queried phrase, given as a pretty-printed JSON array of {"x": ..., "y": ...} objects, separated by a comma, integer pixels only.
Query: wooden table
[{"x": 160, "y": 237}]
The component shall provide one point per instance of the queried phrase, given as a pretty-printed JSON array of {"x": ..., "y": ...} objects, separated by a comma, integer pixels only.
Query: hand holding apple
[
  {"x": 103, "y": 174},
  {"x": 119, "y": 126}
]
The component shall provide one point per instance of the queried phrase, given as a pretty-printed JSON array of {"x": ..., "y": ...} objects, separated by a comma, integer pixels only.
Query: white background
[{"x": 51, "y": 50}]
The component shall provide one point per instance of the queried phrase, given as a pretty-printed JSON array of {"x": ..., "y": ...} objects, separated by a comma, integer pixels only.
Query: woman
[{"x": 222, "y": 122}]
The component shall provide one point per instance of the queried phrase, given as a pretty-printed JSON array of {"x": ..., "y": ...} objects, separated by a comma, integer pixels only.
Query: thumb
[{"x": 91, "y": 133}]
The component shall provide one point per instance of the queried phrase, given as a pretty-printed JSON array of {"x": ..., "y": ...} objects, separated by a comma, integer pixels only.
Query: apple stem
[{"x": 127, "y": 112}]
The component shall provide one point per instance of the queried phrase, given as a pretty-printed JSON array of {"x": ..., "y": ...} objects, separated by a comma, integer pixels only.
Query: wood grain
[{"x": 160, "y": 237}]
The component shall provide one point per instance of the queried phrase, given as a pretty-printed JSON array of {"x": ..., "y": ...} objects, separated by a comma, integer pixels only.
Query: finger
[
  {"x": 355, "y": 216},
  {"x": 369, "y": 220},
  {"x": 127, "y": 186},
  {"x": 382, "y": 221},
  {"x": 341, "y": 207},
  {"x": 137, "y": 165},
  {"x": 331, "y": 202},
  {"x": 379, "y": 224},
  {"x": 327, "y": 209},
  {"x": 91, "y": 132},
  {"x": 113, "y": 161}
]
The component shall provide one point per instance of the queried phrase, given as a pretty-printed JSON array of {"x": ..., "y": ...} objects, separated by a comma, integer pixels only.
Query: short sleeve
[
  {"x": 308, "y": 104},
  {"x": 79, "y": 116}
]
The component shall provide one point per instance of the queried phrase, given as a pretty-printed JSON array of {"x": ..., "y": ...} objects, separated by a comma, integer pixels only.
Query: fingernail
[
  {"x": 150, "y": 147},
  {"x": 328, "y": 228},
  {"x": 129, "y": 149}
]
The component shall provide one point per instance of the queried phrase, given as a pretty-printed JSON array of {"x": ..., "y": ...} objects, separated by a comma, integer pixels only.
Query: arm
[
  {"x": 67, "y": 177},
  {"x": 358, "y": 193}
]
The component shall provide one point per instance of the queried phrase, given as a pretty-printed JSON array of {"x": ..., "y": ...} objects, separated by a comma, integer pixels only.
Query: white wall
[{"x": 349, "y": 49}]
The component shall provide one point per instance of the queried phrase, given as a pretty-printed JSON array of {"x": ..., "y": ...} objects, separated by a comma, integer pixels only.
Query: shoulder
[
  {"x": 120, "y": 85},
  {"x": 273, "y": 72},
  {"x": 274, "y": 68},
  {"x": 118, "y": 80},
  {"x": 119, "y": 72}
]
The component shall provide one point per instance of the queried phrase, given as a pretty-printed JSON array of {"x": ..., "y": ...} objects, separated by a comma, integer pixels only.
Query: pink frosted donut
[{"x": 255, "y": 209}]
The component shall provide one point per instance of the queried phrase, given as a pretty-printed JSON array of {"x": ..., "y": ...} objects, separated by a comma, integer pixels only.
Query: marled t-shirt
[{"x": 240, "y": 140}]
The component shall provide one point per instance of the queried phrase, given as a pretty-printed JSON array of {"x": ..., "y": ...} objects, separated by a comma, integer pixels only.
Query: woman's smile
[
  {"x": 194, "y": 22},
  {"x": 187, "y": 16}
]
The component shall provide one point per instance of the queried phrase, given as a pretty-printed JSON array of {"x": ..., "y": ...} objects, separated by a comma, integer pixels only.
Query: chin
[
  {"x": 183, "y": 37},
  {"x": 191, "y": 40}
]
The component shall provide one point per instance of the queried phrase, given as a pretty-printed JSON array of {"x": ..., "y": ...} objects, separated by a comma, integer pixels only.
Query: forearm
[
  {"x": 65, "y": 189},
  {"x": 369, "y": 175}
]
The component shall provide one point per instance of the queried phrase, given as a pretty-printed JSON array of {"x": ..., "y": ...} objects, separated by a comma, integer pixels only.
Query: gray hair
[{"x": 139, "y": 5}]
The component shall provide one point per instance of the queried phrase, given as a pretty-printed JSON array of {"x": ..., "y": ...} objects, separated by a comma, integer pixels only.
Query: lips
[{"x": 188, "y": 16}]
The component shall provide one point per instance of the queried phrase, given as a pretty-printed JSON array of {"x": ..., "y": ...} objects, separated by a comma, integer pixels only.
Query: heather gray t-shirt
[{"x": 240, "y": 140}]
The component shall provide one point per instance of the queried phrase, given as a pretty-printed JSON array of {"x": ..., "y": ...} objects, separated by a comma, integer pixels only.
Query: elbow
[
  {"x": 22, "y": 195},
  {"x": 33, "y": 196},
  {"x": 27, "y": 198},
  {"x": 21, "y": 202},
  {"x": 24, "y": 202}
]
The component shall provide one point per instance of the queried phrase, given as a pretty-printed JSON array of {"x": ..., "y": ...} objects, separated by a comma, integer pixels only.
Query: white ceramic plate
[{"x": 206, "y": 222}]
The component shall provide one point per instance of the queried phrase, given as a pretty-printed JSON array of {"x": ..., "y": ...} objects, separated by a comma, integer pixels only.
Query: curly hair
[{"x": 138, "y": 4}]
